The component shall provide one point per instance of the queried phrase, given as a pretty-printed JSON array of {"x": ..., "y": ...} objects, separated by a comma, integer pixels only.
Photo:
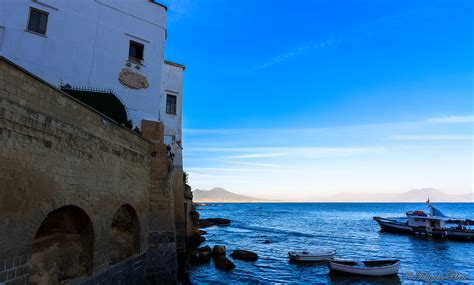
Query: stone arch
[
  {"x": 124, "y": 235},
  {"x": 63, "y": 247}
]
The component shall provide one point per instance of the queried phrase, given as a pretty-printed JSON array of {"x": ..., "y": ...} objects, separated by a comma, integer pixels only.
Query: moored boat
[
  {"x": 365, "y": 268},
  {"x": 317, "y": 255},
  {"x": 433, "y": 224}
]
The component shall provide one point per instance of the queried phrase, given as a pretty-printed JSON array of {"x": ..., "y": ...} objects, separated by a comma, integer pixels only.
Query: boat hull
[
  {"x": 397, "y": 227},
  {"x": 388, "y": 270},
  {"x": 299, "y": 257},
  {"x": 311, "y": 258}
]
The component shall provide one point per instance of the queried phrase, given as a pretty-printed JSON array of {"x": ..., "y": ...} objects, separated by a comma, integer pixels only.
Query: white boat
[
  {"x": 317, "y": 255},
  {"x": 365, "y": 268},
  {"x": 433, "y": 224}
]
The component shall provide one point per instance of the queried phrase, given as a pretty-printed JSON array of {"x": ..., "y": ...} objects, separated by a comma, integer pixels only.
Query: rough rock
[
  {"x": 204, "y": 223},
  {"x": 224, "y": 263},
  {"x": 218, "y": 251},
  {"x": 201, "y": 255},
  {"x": 244, "y": 255},
  {"x": 195, "y": 240},
  {"x": 204, "y": 249},
  {"x": 57, "y": 255},
  {"x": 120, "y": 246},
  {"x": 202, "y": 232},
  {"x": 194, "y": 215}
]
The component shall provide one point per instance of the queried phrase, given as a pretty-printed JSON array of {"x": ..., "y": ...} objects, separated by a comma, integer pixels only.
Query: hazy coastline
[{"x": 220, "y": 195}]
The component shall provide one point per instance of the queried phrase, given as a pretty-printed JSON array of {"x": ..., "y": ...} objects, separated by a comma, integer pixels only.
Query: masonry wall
[
  {"x": 177, "y": 184},
  {"x": 58, "y": 159},
  {"x": 188, "y": 208},
  {"x": 161, "y": 263}
]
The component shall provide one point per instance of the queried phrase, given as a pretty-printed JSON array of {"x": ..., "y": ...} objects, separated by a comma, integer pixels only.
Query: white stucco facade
[
  {"x": 172, "y": 85},
  {"x": 87, "y": 44}
]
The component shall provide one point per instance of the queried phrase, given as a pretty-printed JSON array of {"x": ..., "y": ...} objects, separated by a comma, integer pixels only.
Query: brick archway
[
  {"x": 63, "y": 247},
  {"x": 125, "y": 234}
]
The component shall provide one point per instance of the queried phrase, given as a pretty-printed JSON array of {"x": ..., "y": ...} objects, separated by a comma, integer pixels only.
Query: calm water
[{"x": 347, "y": 227}]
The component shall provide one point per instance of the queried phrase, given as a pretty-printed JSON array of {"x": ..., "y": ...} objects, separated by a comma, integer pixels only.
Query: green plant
[{"x": 185, "y": 177}]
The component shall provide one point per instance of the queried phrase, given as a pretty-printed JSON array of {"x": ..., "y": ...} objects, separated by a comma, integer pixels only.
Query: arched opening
[
  {"x": 125, "y": 235},
  {"x": 63, "y": 247},
  {"x": 102, "y": 100}
]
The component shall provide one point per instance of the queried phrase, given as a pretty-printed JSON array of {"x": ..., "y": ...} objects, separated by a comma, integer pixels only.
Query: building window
[
  {"x": 171, "y": 104},
  {"x": 135, "y": 52},
  {"x": 2, "y": 33},
  {"x": 38, "y": 21}
]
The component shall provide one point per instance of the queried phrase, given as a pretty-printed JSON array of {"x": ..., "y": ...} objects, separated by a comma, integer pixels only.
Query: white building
[
  {"x": 99, "y": 44},
  {"x": 171, "y": 115}
]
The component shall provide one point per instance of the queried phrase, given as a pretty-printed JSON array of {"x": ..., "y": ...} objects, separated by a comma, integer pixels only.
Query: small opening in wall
[
  {"x": 135, "y": 53},
  {"x": 38, "y": 21},
  {"x": 171, "y": 104},
  {"x": 2, "y": 33}
]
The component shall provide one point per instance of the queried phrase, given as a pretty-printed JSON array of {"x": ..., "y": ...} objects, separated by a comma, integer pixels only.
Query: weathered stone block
[{"x": 153, "y": 131}]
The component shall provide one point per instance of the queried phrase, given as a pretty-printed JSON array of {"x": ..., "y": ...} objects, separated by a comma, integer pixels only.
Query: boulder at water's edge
[
  {"x": 244, "y": 255},
  {"x": 217, "y": 251},
  {"x": 224, "y": 263}
]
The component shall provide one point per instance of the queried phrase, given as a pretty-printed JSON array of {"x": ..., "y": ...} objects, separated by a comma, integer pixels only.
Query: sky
[{"x": 298, "y": 99}]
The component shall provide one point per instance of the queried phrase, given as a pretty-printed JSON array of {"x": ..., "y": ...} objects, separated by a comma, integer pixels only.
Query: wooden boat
[
  {"x": 365, "y": 268},
  {"x": 318, "y": 255}
]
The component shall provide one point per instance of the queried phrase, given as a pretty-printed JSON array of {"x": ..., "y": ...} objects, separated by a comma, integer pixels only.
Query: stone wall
[
  {"x": 189, "y": 209},
  {"x": 180, "y": 222},
  {"x": 161, "y": 264},
  {"x": 65, "y": 171}
]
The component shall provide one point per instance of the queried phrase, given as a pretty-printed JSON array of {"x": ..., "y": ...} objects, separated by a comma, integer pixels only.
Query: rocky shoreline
[{"x": 218, "y": 254}]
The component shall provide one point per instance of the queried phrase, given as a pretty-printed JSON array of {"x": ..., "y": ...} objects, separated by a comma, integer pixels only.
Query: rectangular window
[
  {"x": 171, "y": 104},
  {"x": 38, "y": 21},
  {"x": 2, "y": 32},
  {"x": 135, "y": 52}
]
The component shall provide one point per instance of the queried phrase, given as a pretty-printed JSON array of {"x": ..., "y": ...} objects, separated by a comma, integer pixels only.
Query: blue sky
[{"x": 297, "y": 99}]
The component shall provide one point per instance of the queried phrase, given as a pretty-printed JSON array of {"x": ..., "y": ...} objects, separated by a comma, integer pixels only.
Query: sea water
[{"x": 273, "y": 229}]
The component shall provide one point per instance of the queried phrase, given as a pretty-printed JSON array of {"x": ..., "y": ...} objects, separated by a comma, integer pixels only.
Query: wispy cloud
[
  {"x": 293, "y": 152},
  {"x": 287, "y": 150},
  {"x": 452, "y": 119},
  {"x": 297, "y": 51},
  {"x": 254, "y": 164},
  {"x": 190, "y": 131},
  {"x": 257, "y": 155},
  {"x": 433, "y": 137},
  {"x": 303, "y": 160},
  {"x": 363, "y": 31},
  {"x": 177, "y": 9},
  {"x": 225, "y": 169},
  {"x": 333, "y": 131}
]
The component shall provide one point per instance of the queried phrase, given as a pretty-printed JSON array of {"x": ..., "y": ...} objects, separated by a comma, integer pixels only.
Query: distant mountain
[
  {"x": 221, "y": 195},
  {"x": 416, "y": 195}
]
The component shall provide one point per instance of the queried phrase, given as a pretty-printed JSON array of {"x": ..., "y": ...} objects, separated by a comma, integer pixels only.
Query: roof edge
[
  {"x": 159, "y": 4},
  {"x": 175, "y": 64}
]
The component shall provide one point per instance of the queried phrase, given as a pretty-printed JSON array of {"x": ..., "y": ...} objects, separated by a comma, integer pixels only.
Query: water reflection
[{"x": 353, "y": 279}]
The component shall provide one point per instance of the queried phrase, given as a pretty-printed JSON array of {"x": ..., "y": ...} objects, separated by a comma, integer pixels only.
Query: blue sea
[{"x": 273, "y": 229}]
